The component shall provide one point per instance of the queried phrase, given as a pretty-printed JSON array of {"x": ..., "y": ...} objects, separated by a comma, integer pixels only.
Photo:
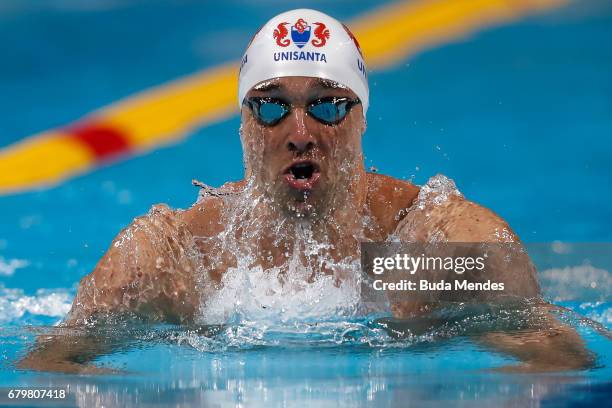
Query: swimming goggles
[{"x": 329, "y": 111}]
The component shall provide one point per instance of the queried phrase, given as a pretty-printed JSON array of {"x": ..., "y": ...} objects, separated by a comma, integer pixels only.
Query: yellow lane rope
[{"x": 169, "y": 112}]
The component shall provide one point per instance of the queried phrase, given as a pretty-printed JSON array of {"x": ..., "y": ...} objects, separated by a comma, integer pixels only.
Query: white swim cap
[{"x": 308, "y": 43}]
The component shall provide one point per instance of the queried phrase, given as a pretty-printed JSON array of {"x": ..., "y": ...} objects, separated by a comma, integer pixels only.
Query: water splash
[
  {"x": 576, "y": 282},
  {"x": 14, "y": 304},
  {"x": 263, "y": 295},
  {"x": 8, "y": 267},
  {"x": 436, "y": 191},
  {"x": 282, "y": 273}
]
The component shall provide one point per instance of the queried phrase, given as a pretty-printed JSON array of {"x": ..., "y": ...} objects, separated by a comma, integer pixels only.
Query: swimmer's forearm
[
  {"x": 68, "y": 353},
  {"x": 555, "y": 347}
]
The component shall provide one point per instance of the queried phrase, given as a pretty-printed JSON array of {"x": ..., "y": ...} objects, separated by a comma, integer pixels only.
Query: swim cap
[{"x": 308, "y": 43}]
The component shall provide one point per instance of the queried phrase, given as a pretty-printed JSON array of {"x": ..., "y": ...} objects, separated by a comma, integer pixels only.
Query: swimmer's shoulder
[
  {"x": 443, "y": 213},
  {"x": 204, "y": 217},
  {"x": 389, "y": 198}
]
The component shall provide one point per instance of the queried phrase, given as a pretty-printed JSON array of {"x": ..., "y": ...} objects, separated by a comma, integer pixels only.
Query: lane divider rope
[{"x": 169, "y": 112}]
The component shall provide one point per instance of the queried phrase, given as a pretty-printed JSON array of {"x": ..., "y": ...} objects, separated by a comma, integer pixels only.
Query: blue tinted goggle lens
[
  {"x": 329, "y": 111},
  {"x": 271, "y": 112}
]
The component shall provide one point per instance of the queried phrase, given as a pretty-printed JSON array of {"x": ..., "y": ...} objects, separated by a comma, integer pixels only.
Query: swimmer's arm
[
  {"x": 143, "y": 275},
  {"x": 553, "y": 346},
  {"x": 548, "y": 346},
  {"x": 456, "y": 219},
  {"x": 146, "y": 273},
  {"x": 70, "y": 351}
]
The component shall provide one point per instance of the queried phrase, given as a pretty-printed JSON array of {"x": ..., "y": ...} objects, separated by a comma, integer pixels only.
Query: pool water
[
  {"x": 341, "y": 363},
  {"x": 519, "y": 115}
]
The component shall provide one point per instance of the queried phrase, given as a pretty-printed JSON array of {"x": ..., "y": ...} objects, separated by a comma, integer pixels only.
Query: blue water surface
[{"x": 519, "y": 115}]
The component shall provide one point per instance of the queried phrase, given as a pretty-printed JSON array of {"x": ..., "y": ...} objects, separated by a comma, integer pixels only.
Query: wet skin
[{"x": 298, "y": 171}]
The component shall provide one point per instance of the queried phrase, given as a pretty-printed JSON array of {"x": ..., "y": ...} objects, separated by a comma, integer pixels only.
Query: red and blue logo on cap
[{"x": 300, "y": 34}]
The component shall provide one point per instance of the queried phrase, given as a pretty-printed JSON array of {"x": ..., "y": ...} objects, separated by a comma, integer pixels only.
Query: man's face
[{"x": 304, "y": 167}]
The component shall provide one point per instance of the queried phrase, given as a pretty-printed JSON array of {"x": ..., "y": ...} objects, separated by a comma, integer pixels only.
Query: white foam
[
  {"x": 559, "y": 247},
  {"x": 583, "y": 282},
  {"x": 8, "y": 267},
  {"x": 604, "y": 317},
  {"x": 14, "y": 304},
  {"x": 436, "y": 191},
  {"x": 259, "y": 295},
  {"x": 590, "y": 310}
]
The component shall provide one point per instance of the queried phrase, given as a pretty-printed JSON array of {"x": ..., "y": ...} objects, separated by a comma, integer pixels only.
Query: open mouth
[{"x": 302, "y": 175}]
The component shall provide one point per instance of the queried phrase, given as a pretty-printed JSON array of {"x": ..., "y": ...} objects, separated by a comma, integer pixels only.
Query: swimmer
[{"x": 303, "y": 94}]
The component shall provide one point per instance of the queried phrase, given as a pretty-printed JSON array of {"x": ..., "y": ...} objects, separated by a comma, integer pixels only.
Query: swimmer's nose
[
  {"x": 300, "y": 140},
  {"x": 299, "y": 146}
]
